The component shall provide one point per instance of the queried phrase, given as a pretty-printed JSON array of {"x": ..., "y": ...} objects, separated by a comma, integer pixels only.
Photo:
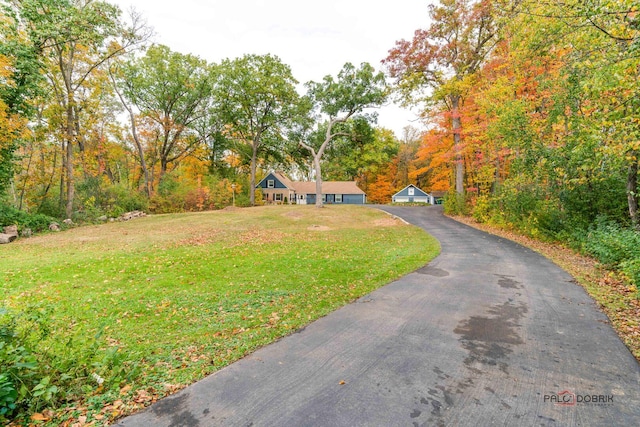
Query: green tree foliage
[
  {"x": 341, "y": 103},
  {"x": 73, "y": 39},
  {"x": 257, "y": 100},
  {"x": 171, "y": 90},
  {"x": 438, "y": 64}
]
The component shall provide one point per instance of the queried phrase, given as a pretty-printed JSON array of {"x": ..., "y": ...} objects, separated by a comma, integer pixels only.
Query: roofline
[
  {"x": 414, "y": 186},
  {"x": 274, "y": 175}
]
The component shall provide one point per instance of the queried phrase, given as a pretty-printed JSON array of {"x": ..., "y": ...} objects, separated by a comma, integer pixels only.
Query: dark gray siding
[
  {"x": 405, "y": 192},
  {"x": 347, "y": 199},
  {"x": 277, "y": 184},
  {"x": 352, "y": 199}
]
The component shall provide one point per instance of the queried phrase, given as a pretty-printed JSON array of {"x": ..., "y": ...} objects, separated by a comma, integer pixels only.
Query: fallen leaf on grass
[{"x": 39, "y": 417}]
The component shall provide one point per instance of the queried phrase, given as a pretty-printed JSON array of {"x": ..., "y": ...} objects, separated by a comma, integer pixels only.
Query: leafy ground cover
[
  {"x": 99, "y": 321},
  {"x": 611, "y": 290}
]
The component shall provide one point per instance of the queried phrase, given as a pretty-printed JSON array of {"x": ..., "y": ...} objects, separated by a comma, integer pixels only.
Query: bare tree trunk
[
  {"x": 26, "y": 178},
  {"x": 136, "y": 140},
  {"x": 632, "y": 191},
  {"x": 63, "y": 171},
  {"x": 317, "y": 167},
  {"x": 70, "y": 180},
  {"x": 457, "y": 128},
  {"x": 252, "y": 184}
]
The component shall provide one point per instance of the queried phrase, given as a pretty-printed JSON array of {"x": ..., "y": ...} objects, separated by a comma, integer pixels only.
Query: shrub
[
  {"x": 455, "y": 204},
  {"x": 482, "y": 209},
  {"x": 36, "y": 372},
  {"x": 170, "y": 197},
  {"x": 21, "y": 383},
  {"x": 8, "y": 396},
  {"x": 631, "y": 268},
  {"x": 611, "y": 244},
  {"x": 36, "y": 222},
  {"x": 121, "y": 199},
  {"x": 615, "y": 247}
]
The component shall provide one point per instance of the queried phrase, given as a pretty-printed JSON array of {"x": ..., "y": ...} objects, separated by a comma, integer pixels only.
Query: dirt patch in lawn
[
  {"x": 260, "y": 236},
  {"x": 294, "y": 215},
  {"x": 200, "y": 239},
  {"x": 318, "y": 228},
  {"x": 386, "y": 222}
]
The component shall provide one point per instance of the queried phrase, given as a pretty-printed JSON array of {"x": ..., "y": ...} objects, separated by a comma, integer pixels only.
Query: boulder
[
  {"x": 7, "y": 238},
  {"x": 131, "y": 215},
  {"x": 26, "y": 232},
  {"x": 54, "y": 226},
  {"x": 102, "y": 218},
  {"x": 68, "y": 221},
  {"x": 11, "y": 230}
]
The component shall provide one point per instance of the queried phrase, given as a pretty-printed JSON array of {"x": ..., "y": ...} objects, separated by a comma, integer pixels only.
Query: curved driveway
[{"x": 489, "y": 333}]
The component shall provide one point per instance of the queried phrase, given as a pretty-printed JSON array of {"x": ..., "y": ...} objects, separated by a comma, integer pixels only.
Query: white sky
[{"x": 314, "y": 38}]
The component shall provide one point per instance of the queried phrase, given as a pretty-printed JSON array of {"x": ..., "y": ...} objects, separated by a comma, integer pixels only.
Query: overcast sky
[{"x": 314, "y": 38}]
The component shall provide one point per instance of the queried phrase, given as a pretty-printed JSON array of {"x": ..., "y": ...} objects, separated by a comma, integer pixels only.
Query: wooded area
[
  {"x": 531, "y": 110},
  {"x": 531, "y": 114}
]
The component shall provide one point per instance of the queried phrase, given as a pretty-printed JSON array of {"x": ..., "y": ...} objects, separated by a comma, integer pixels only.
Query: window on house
[
  {"x": 338, "y": 198},
  {"x": 411, "y": 191},
  {"x": 324, "y": 198},
  {"x": 278, "y": 197},
  {"x": 271, "y": 183}
]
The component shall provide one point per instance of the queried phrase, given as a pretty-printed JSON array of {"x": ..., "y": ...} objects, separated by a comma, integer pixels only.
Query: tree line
[
  {"x": 531, "y": 111},
  {"x": 96, "y": 119},
  {"x": 534, "y": 109}
]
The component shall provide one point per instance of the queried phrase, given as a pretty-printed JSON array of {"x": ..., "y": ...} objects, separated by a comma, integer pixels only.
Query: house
[
  {"x": 412, "y": 194},
  {"x": 345, "y": 192},
  {"x": 277, "y": 188}
]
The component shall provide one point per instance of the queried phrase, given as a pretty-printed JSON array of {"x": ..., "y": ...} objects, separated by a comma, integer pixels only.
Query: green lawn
[{"x": 156, "y": 303}]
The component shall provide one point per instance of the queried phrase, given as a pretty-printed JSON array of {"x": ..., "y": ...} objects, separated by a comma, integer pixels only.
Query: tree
[
  {"x": 20, "y": 78},
  {"x": 12, "y": 126},
  {"x": 78, "y": 37},
  {"x": 134, "y": 132},
  {"x": 438, "y": 64},
  {"x": 171, "y": 90},
  {"x": 600, "y": 42},
  {"x": 340, "y": 100},
  {"x": 258, "y": 101}
]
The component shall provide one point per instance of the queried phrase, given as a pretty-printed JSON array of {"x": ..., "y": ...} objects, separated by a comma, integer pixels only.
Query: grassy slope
[{"x": 175, "y": 297}]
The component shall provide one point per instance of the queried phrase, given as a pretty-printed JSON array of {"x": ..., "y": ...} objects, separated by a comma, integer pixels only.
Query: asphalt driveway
[{"x": 489, "y": 333}]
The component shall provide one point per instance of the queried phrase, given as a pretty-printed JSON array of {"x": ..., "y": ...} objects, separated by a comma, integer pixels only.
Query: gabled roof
[
  {"x": 328, "y": 187},
  {"x": 418, "y": 192},
  {"x": 309, "y": 187},
  {"x": 283, "y": 179},
  {"x": 280, "y": 177}
]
